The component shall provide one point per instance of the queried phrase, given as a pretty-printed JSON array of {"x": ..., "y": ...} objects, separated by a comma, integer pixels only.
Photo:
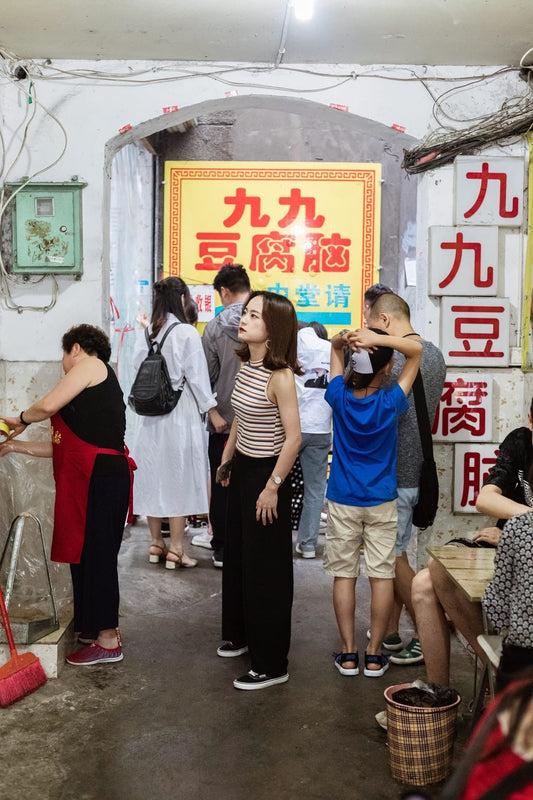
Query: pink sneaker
[{"x": 95, "y": 654}]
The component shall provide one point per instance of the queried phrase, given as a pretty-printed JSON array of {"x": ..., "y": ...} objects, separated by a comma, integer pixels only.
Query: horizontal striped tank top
[{"x": 259, "y": 430}]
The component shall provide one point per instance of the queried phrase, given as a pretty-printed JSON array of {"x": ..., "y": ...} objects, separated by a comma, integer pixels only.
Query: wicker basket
[{"x": 420, "y": 740}]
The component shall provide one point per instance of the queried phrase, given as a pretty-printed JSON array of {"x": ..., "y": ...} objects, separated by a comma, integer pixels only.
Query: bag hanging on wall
[
  {"x": 152, "y": 394},
  {"x": 428, "y": 497}
]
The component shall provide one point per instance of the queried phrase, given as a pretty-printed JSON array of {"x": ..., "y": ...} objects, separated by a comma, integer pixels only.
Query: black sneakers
[
  {"x": 253, "y": 680},
  {"x": 218, "y": 559}
]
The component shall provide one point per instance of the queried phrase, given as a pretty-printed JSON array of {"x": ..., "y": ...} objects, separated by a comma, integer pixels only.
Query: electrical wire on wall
[
  {"x": 10, "y": 63},
  {"x": 7, "y": 279},
  {"x": 47, "y": 70},
  {"x": 514, "y": 117},
  {"x": 442, "y": 148},
  {"x": 227, "y": 74}
]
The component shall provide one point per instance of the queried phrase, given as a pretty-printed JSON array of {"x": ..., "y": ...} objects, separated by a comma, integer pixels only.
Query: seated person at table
[
  {"x": 508, "y": 599},
  {"x": 505, "y": 494}
]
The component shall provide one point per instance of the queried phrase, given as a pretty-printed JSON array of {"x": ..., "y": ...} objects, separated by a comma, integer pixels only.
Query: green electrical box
[{"x": 47, "y": 228}]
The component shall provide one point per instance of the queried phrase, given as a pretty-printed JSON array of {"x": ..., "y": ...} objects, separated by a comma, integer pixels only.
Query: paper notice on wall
[
  {"x": 204, "y": 297},
  {"x": 410, "y": 271}
]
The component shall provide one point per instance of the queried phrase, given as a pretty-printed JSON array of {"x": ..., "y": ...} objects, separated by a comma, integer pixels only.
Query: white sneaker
[
  {"x": 309, "y": 552},
  {"x": 381, "y": 719},
  {"x": 202, "y": 540}
]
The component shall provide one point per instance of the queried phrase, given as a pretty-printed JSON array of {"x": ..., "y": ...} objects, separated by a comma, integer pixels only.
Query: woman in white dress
[{"x": 170, "y": 450}]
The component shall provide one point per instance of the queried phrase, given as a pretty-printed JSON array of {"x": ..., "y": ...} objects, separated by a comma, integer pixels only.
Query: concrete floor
[{"x": 167, "y": 723}]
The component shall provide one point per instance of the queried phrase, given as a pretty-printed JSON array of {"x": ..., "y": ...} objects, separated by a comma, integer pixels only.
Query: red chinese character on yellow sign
[
  {"x": 241, "y": 201},
  {"x": 312, "y": 228},
  {"x": 272, "y": 251},
  {"x": 295, "y": 202},
  {"x": 216, "y": 249}
]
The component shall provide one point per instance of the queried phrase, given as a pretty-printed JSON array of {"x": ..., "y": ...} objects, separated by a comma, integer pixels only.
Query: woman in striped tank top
[{"x": 257, "y": 583}]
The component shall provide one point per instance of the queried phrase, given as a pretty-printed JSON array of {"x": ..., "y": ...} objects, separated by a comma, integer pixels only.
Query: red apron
[{"x": 73, "y": 462}]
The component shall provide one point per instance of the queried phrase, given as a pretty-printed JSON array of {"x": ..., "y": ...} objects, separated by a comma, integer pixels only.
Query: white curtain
[{"x": 131, "y": 254}]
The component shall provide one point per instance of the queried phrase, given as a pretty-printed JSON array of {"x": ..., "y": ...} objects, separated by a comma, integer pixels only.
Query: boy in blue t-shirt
[{"x": 362, "y": 485}]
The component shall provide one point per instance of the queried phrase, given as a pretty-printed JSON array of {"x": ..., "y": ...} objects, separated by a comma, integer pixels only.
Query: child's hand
[{"x": 365, "y": 339}]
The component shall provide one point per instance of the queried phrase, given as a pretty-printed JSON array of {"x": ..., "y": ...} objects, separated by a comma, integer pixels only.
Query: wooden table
[{"x": 470, "y": 568}]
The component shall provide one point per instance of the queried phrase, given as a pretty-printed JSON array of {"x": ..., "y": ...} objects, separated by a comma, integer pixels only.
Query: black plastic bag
[{"x": 426, "y": 695}]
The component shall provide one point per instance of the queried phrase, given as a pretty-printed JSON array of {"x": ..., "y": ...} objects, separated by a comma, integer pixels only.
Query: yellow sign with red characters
[{"x": 308, "y": 231}]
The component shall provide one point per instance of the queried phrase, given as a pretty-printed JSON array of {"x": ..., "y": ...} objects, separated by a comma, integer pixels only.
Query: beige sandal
[
  {"x": 179, "y": 562},
  {"x": 155, "y": 558}
]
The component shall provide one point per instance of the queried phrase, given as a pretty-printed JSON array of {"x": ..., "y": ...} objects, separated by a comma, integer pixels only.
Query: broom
[{"x": 23, "y": 673}]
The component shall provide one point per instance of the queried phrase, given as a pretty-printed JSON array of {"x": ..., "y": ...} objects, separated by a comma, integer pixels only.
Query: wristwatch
[{"x": 277, "y": 480}]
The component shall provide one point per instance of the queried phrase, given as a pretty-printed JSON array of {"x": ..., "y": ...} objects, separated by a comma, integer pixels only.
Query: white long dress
[{"x": 171, "y": 450}]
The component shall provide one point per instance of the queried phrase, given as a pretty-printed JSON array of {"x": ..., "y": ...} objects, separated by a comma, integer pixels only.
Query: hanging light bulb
[{"x": 303, "y": 9}]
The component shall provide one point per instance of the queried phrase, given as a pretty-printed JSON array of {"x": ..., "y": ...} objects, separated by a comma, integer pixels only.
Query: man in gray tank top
[{"x": 391, "y": 314}]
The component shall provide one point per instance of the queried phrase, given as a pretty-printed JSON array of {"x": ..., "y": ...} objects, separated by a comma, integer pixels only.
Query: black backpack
[{"x": 152, "y": 394}]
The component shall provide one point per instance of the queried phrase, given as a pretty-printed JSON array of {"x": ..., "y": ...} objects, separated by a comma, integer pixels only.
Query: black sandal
[
  {"x": 342, "y": 658},
  {"x": 383, "y": 662}
]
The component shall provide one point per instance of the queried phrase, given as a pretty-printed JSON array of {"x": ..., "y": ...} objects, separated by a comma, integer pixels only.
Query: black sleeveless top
[{"x": 98, "y": 416}]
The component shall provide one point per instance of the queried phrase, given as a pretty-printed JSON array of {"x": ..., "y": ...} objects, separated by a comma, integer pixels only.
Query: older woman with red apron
[{"x": 93, "y": 477}]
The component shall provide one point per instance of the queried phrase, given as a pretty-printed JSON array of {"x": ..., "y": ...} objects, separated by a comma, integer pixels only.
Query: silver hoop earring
[{"x": 267, "y": 344}]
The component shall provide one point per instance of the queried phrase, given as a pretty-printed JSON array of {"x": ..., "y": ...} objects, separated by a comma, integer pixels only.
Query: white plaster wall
[
  {"x": 512, "y": 388},
  {"x": 91, "y": 113},
  {"x": 511, "y": 400}
]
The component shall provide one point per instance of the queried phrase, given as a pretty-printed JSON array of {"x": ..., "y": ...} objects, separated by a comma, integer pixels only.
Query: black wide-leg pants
[
  {"x": 257, "y": 583},
  {"x": 95, "y": 578}
]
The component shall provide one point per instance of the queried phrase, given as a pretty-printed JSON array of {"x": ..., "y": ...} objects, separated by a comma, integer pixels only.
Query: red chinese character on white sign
[
  {"x": 489, "y": 191},
  {"x": 475, "y": 332},
  {"x": 464, "y": 413},
  {"x": 472, "y": 465},
  {"x": 463, "y": 261},
  {"x": 204, "y": 297}
]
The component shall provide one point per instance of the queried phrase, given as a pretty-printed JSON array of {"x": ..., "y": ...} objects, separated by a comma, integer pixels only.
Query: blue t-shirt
[{"x": 365, "y": 438}]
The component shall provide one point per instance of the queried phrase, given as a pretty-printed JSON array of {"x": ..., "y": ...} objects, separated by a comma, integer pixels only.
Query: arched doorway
[{"x": 251, "y": 128}]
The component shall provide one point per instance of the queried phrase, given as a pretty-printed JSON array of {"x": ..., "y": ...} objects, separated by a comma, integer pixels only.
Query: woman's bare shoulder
[
  {"x": 282, "y": 380},
  {"x": 283, "y": 375}
]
